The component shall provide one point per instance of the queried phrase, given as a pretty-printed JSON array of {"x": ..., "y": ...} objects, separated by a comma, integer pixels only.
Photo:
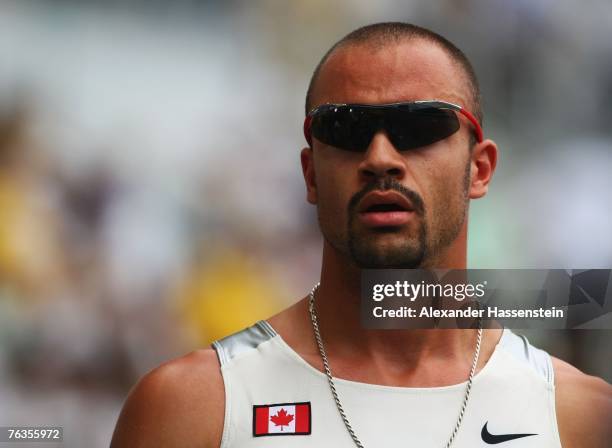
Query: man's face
[{"x": 431, "y": 182}]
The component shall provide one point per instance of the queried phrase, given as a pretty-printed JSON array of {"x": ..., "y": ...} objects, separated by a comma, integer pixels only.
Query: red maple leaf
[{"x": 281, "y": 418}]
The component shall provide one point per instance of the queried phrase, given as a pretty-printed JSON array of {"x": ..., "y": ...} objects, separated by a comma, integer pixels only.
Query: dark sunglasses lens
[
  {"x": 409, "y": 129},
  {"x": 344, "y": 127}
]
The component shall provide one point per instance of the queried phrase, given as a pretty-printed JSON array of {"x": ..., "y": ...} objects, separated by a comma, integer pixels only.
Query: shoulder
[
  {"x": 180, "y": 403},
  {"x": 583, "y": 405}
]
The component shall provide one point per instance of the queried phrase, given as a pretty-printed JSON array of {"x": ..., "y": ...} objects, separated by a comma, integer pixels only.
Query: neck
[
  {"x": 340, "y": 288},
  {"x": 339, "y": 295}
]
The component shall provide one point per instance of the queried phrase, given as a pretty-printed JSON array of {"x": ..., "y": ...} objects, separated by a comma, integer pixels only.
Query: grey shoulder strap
[
  {"x": 231, "y": 346},
  {"x": 519, "y": 347}
]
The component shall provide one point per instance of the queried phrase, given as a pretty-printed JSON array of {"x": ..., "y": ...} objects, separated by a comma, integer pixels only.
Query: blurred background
[{"x": 151, "y": 197}]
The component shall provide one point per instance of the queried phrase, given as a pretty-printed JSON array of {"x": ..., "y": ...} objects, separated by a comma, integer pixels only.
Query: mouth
[{"x": 385, "y": 209}]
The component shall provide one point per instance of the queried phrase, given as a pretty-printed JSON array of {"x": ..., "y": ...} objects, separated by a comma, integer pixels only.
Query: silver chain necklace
[{"x": 332, "y": 385}]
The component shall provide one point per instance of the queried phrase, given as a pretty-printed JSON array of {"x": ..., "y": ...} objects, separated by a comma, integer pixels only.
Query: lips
[{"x": 385, "y": 209}]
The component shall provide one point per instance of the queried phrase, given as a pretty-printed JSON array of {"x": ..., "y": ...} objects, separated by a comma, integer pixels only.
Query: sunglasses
[{"x": 408, "y": 125}]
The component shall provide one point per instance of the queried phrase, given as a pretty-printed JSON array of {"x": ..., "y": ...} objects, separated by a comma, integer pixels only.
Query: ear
[
  {"x": 307, "y": 159},
  {"x": 484, "y": 161}
]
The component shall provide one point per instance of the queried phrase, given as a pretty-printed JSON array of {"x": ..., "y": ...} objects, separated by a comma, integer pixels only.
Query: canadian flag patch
[{"x": 282, "y": 419}]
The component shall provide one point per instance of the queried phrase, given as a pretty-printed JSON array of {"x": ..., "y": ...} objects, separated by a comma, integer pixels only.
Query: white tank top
[{"x": 271, "y": 391}]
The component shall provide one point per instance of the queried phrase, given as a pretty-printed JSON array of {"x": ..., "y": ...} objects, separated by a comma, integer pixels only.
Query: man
[{"x": 392, "y": 187}]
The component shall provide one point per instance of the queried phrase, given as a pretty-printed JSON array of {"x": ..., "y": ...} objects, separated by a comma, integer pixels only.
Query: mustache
[{"x": 388, "y": 183}]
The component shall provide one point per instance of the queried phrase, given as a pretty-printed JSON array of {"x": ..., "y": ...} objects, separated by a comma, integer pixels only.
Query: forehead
[{"x": 404, "y": 71}]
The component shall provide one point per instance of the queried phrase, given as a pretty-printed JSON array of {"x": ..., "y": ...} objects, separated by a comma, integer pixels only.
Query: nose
[{"x": 381, "y": 159}]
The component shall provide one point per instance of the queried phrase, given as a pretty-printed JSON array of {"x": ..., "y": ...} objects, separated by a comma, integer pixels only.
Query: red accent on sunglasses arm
[
  {"x": 477, "y": 128},
  {"x": 307, "y": 134}
]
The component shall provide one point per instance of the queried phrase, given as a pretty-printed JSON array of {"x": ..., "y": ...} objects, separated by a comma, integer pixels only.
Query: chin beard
[{"x": 366, "y": 253}]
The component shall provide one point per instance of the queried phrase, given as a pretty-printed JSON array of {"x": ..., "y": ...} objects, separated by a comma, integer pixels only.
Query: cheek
[
  {"x": 441, "y": 182},
  {"x": 332, "y": 194},
  {"x": 335, "y": 184},
  {"x": 443, "y": 193}
]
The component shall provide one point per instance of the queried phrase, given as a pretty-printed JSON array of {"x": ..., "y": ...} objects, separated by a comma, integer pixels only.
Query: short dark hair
[{"x": 382, "y": 34}]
